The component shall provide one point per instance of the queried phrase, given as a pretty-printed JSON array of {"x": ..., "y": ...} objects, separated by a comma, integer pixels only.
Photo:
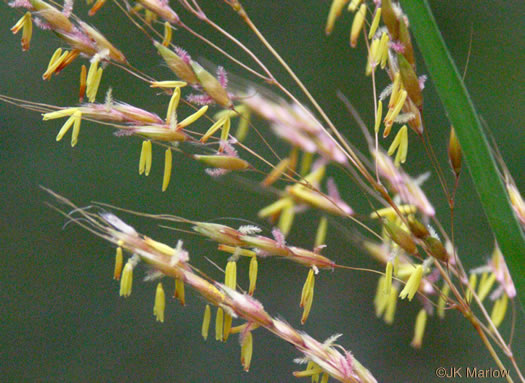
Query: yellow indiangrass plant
[{"x": 414, "y": 242}]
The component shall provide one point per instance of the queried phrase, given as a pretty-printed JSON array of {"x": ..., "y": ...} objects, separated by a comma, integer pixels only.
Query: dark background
[{"x": 62, "y": 319}]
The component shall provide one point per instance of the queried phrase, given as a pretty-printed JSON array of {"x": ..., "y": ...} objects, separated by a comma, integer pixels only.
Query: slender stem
[{"x": 489, "y": 347}]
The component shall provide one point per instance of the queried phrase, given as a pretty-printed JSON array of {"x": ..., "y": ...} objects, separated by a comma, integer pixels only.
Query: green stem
[{"x": 478, "y": 156}]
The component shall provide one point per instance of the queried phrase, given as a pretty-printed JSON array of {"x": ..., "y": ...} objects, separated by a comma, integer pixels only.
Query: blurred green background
[{"x": 62, "y": 319}]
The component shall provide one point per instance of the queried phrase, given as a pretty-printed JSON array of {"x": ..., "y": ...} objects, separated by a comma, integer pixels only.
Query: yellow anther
[
  {"x": 499, "y": 310},
  {"x": 472, "y": 281},
  {"x": 227, "y": 326},
  {"x": 219, "y": 324},
  {"x": 179, "y": 291},
  {"x": 380, "y": 299},
  {"x": 286, "y": 218},
  {"x": 74, "y": 119},
  {"x": 94, "y": 9},
  {"x": 167, "y": 34},
  {"x": 25, "y": 23},
  {"x": 168, "y": 84},
  {"x": 244, "y": 125},
  {"x": 192, "y": 118},
  {"x": 412, "y": 285},
  {"x": 145, "y": 158},
  {"x": 230, "y": 277},
  {"x": 247, "y": 351},
  {"x": 82, "y": 88},
  {"x": 395, "y": 90},
  {"x": 442, "y": 302},
  {"x": 335, "y": 11},
  {"x": 167, "y": 169},
  {"x": 171, "y": 114},
  {"x": 391, "y": 305},
  {"x": 55, "y": 61},
  {"x": 126, "y": 281},
  {"x": 353, "y": 5},
  {"x": 393, "y": 113},
  {"x": 59, "y": 114},
  {"x": 485, "y": 285},
  {"x": 77, "y": 117},
  {"x": 225, "y": 132},
  {"x": 160, "y": 303},
  {"x": 382, "y": 50},
  {"x": 419, "y": 329},
  {"x": 307, "y": 295},
  {"x": 357, "y": 25},
  {"x": 276, "y": 172},
  {"x": 274, "y": 208},
  {"x": 252, "y": 274},
  {"x": 216, "y": 126},
  {"x": 118, "y": 264},
  {"x": 206, "y": 322},
  {"x": 322, "y": 228},
  {"x": 401, "y": 144},
  {"x": 371, "y": 63},
  {"x": 375, "y": 23}
]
